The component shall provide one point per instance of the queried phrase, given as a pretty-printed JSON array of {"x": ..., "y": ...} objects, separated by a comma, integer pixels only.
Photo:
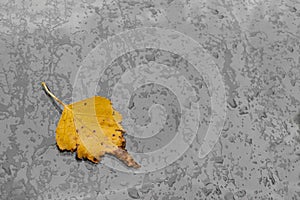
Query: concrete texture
[{"x": 256, "y": 46}]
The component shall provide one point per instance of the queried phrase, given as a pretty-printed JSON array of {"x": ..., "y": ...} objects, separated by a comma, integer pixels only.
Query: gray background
[{"x": 256, "y": 46}]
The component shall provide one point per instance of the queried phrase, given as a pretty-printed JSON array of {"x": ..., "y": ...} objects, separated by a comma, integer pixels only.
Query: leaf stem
[{"x": 52, "y": 95}]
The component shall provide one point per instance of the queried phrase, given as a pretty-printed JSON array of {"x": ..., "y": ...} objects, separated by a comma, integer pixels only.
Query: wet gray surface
[{"x": 256, "y": 46}]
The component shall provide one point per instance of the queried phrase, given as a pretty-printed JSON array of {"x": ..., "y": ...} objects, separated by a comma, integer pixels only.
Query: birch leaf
[{"x": 91, "y": 127}]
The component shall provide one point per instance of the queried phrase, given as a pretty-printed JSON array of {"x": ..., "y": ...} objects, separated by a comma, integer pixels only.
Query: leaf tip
[
  {"x": 123, "y": 155},
  {"x": 136, "y": 166}
]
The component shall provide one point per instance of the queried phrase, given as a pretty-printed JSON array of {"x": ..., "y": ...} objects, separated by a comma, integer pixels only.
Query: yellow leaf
[{"x": 91, "y": 127}]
